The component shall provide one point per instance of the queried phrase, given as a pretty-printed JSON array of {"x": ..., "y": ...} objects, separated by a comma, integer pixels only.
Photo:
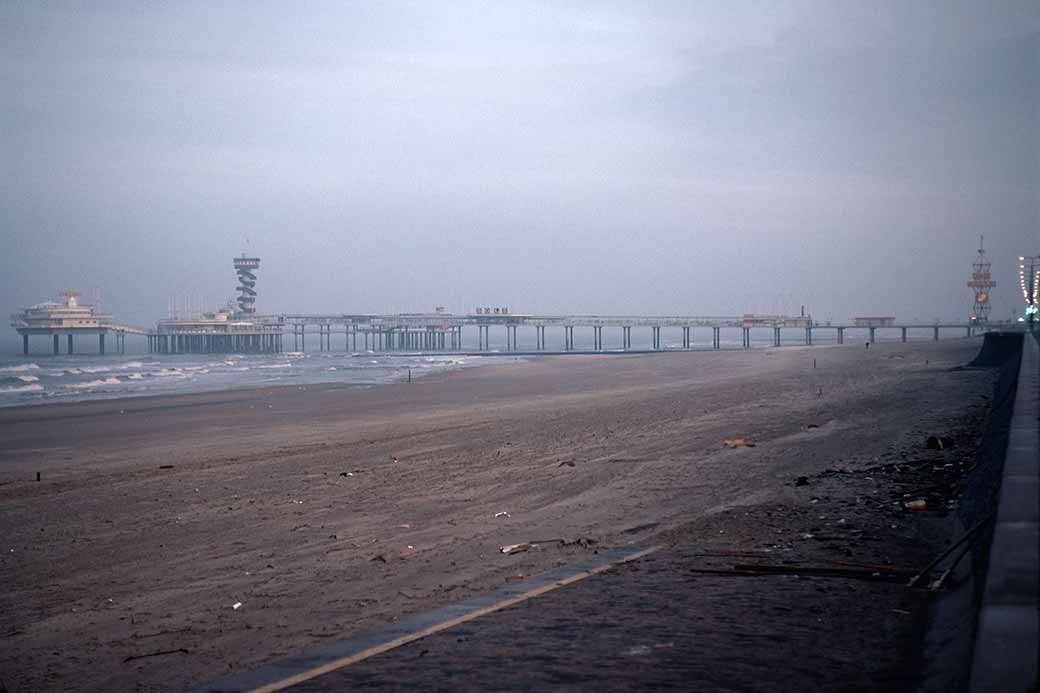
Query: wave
[
  {"x": 94, "y": 383},
  {"x": 20, "y": 369},
  {"x": 277, "y": 365},
  {"x": 28, "y": 378},
  {"x": 167, "y": 373},
  {"x": 23, "y": 388}
]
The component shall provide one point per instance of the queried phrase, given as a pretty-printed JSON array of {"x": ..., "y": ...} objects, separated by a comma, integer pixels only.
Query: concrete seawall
[{"x": 1007, "y": 638}]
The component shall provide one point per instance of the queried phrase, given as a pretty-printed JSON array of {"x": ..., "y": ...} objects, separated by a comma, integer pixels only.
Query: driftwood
[
  {"x": 916, "y": 579},
  {"x": 179, "y": 650}
]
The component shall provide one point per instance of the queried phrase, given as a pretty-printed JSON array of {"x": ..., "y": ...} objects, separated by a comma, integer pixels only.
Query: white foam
[
  {"x": 277, "y": 365},
  {"x": 93, "y": 383},
  {"x": 168, "y": 373},
  {"x": 20, "y": 369},
  {"x": 27, "y": 378},
  {"x": 23, "y": 388},
  {"x": 135, "y": 376}
]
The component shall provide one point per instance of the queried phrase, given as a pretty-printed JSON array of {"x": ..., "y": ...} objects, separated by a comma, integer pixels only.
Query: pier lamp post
[{"x": 1029, "y": 282}]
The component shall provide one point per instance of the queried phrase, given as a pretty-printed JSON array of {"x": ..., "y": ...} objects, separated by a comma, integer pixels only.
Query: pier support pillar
[
  {"x": 717, "y": 337},
  {"x": 626, "y": 337},
  {"x": 872, "y": 330},
  {"x": 747, "y": 337},
  {"x": 841, "y": 335},
  {"x": 904, "y": 335},
  {"x": 101, "y": 343},
  {"x": 776, "y": 336},
  {"x": 70, "y": 342},
  {"x": 25, "y": 344}
]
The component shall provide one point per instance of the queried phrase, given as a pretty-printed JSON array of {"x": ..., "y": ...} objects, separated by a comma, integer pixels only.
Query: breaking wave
[
  {"x": 22, "y": 388},
  {"x": 93, "y": 383},
  {"x": 20, "y": 368}
]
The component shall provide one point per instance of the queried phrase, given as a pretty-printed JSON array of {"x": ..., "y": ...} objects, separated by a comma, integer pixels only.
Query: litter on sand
[
  {"x": 502, "y": 514},
  {"x": 236, "y": 606},
  {"x": 738, "y": 443},
  {"x": 528, "y": 545}
]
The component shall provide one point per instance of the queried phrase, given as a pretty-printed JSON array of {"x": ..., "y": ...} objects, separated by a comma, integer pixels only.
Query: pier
[{"x": 524, "y": 333}]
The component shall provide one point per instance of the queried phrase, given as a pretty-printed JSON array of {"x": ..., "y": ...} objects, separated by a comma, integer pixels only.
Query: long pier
[{"x": 443, "y": 332}]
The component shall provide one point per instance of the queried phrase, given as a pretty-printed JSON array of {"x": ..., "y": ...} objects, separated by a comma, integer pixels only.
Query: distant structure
[
  {"x": 232, "y": 329},
  {"x": 246, "y": 268},
  {"x": 981, "y": 282},
  {"x": 1029, "y": 281},
  {"x": 66, "y": 316}
]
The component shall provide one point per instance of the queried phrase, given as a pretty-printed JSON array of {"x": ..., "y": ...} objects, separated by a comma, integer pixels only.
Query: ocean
[
  {"x": 52, "y": 379},
  {"x": 40, "y": 379}
]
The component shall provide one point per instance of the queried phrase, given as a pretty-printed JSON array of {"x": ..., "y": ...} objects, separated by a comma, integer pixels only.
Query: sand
[{"x": 327, "y": 511}]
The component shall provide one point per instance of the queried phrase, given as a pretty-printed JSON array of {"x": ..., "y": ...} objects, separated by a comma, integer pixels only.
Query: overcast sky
[{"x": 704, "y": 158}]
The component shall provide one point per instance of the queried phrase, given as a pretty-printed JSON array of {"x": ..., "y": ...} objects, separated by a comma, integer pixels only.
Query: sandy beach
[{"x": 326, "y": 511}]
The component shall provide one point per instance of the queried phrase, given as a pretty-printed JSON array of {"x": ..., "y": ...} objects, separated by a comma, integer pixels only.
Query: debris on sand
[
  {"x": 378, "y": 557},
  {"x": 801, "y": 481},
  {"x": 179, "y": 650},
  {"x": 811, "y": 426},
  {"x": 738, "y": 443},
  {"x": 509, "y": 549},
  {"x": 939, "y": 443},
  {"x": 919, "y": 504},
  {"x": 502, "y": 514},
  {"x": 583, "y": 542},
  {"x": 165, "y": 466},
  {"x": 566, "y": 463},
  {"x": 236, "y": 606}
]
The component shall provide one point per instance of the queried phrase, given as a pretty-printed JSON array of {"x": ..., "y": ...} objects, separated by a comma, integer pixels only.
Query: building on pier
[
  {"x": 66, "y": 317},
  {"x": 235, "y": 329},
  {"x": 223, "y": 332}
]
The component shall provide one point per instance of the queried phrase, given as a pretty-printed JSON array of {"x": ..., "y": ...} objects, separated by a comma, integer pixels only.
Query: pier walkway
[{"x": 444, "y": 332}]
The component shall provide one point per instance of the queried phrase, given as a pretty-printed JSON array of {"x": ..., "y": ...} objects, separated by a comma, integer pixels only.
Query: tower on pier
[
  {"x": 981, "y": 282},
  {"x": 246, "y": 267}
]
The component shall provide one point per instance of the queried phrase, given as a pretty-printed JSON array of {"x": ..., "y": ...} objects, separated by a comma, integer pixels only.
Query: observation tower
[
  {"x": 246, "y": 268},
  {"x": 981, "y": 282}
]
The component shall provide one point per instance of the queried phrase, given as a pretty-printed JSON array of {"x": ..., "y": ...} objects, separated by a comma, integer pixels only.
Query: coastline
[{"x": 335, "y": 509}]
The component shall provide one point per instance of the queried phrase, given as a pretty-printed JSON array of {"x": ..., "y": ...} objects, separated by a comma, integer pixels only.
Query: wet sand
[{"x": 289, "y": 500}]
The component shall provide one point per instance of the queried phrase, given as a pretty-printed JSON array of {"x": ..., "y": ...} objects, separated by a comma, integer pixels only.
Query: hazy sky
[{"x": 703, "y": 158}]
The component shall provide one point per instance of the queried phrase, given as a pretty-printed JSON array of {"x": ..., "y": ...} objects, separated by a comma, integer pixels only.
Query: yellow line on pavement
[{"x": 444, "y": 625}]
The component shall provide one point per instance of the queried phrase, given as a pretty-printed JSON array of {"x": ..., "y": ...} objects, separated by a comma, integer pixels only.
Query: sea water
[{"x": 46, "y": 380}]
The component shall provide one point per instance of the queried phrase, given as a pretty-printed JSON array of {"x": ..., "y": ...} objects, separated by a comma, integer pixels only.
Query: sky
[{"x": 693, "y": 158}]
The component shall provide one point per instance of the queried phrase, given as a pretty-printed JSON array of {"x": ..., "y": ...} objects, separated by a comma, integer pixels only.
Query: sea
[
  {"x": 44, "y": 379},
  {"x": 52, "y": 379}
]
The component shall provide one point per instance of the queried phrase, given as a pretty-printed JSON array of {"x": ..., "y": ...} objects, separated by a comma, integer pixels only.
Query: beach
[{"x": 324, "y": 511}]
